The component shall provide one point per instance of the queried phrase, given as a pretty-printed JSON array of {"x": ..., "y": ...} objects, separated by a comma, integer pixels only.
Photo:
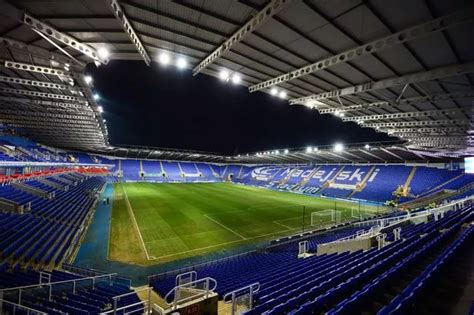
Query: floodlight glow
[
  {"x": 337, "y": 113},
  {"x": 273, "y": 91},
  {"x": 341, "y": 115},
  {"x": 309, "y": 149},
  {"x": 224, "y": 75},
  {"x": 88, "y": 79},
  {"x": 103, "y": 53},
  {"x": 164, "y": 58},
  {"x": 181, "y": 63},
  {"x": 367, "y": 146},
  {"x": 236, "y": 78},
  {"x": 100, "y": 109},
  {"x": 338, "y": 147},
  {"x": 286, "y": 151},
  {"x": 315, "y": 149},
  {"x": 282, "y": 94},
  {"x": 360, "y": 122},
  {"x": 96, "y": 96},
  {"x": 277, "y": 151}
]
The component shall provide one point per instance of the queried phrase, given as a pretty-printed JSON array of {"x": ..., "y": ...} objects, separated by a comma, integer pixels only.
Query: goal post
[
  {"x": 325, "y": 217},
  {"x": 363, "y": 212}
]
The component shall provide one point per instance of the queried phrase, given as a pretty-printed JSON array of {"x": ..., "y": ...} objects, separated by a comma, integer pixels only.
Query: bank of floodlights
[{"x": 338, "y": 147}]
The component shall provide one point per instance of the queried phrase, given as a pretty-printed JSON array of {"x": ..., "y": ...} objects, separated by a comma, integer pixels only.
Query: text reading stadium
[{"x": 89, "y": 227}]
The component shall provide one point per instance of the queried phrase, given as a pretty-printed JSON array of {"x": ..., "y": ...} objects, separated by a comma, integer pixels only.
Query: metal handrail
[
  {"x": 110, "y": 275},
  {"x": 26, "y": 308},
  {"x": 255, "y": 285},
  {"x": 204, "y": 292},
  {"x": 251, "y": 289},
  {"x": 416, "y": 215}
]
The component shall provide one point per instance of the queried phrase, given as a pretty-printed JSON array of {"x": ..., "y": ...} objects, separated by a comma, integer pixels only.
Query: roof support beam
[
  {"x": 272, "y": 8},
  {"x": 45, "y": 95},
  {"x": 39, "y": 69},
  {"x": 41, "y": 84},
  {"x": 413, "y": 33},
  {"x": 426, "y": 130},
  {"x": 436, "y": 112},
  {"x": 65, "y": 39},
  {"x": 127, "y": 27},
  {"x": 9, "y": 99},
  {"x": 419, "y": 123},
  {"x": 34, "y": 50},
  {"x": 437, "y": 73},
  {"x": 407, "y": 101}
]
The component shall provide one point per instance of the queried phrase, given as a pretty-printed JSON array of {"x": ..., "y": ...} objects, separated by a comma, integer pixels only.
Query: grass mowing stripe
[
  {"x": 132, "y": 216},
  {"x": 225, "y": 227},
  {"x": 183, "y": 220}
]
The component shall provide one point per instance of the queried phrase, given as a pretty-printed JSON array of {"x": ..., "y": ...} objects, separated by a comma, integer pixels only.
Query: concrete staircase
[
  {"x": 305, "y": 180},
  {"x": 363, "y": 183},
  {"x": 406, "y": 186},
  {"x": 287, "y": 178}
]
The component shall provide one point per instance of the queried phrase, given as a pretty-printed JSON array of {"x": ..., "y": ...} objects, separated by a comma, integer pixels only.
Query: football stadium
[{"x": 236, "y": 157}]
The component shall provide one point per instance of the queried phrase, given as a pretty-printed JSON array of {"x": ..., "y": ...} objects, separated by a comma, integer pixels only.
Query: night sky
[{"x": 167, "y": 107}]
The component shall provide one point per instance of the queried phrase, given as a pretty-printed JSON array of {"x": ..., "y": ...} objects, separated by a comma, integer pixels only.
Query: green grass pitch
[{"x": 155, "y": 223}]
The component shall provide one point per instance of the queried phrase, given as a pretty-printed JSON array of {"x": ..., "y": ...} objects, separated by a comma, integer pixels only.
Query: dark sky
[{"x": 167, "y": 107}]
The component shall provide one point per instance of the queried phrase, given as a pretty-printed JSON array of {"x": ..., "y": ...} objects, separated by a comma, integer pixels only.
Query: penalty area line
[
  {"x": 225, "y": 227},
  {"x": 132, "y": 216}
]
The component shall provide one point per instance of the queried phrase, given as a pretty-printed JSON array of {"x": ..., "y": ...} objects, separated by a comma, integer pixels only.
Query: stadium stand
[
  {"x": 346, "y": 282},
  {"x": 391, "y": 223}
]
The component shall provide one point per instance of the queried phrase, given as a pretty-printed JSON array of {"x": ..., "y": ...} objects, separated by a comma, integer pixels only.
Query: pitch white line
[
  {"x": 220, "y": 244},
  {"x": 284, "y": 225},
  {"x": 132, "y": 216},
  {"x": 225, "y": 227}
]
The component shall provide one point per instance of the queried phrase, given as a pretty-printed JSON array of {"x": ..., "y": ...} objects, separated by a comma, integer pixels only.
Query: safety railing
[
  {"x": 143, "y": 305},
  {"x": 201, "y": 288},
  {"x": 72, "y": 285},
  {"x": 7, "y": 307},
  {"x": 247, "y": 292},
  {"x": 454, "y": 205}
]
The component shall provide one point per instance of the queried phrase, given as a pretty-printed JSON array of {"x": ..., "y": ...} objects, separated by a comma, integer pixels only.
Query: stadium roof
[
  {"x": 386, "y": 152},
  {"x": 401, "y": 67}
]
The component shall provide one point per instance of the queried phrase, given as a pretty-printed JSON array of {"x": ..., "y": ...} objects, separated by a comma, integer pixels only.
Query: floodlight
[
  {"x": 309, "y": 149},
  {"x": 104, "y": 121},
  {"x": 96, "y": 96},
  {"x": 277, "y": 152},
  {"x": 337, "y": 113},
  {"x": 224, "y": 75},
  {"x": 236, "y": 78},
  {"x": 286, "y": 151},
  {"x": 338, "y": 147},
  {"x": 367, "y": 146},
  {"x": 282, "y": 94},
  {"x": 273, "y": 91},
  {"x": 181, "y": 63},
  {"x": 360, "y": 122},
  {"x": 341, "y": 115},
  {"x": 88, "y": 79},
  {"x": 100, "y": 109},
  {"x": 103, "y": 53},
  {"x": 315, "y": 149},
  {"x": 164, "y": 58}
]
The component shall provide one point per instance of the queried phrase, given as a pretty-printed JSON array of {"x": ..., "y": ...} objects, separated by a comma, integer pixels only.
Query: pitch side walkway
[{"x": 93, "y": 251}]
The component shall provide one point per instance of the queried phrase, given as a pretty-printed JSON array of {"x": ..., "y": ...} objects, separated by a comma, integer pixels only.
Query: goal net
[
  {"x": 362, "y": 212},
  {"x": 326, "y": 217}
]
